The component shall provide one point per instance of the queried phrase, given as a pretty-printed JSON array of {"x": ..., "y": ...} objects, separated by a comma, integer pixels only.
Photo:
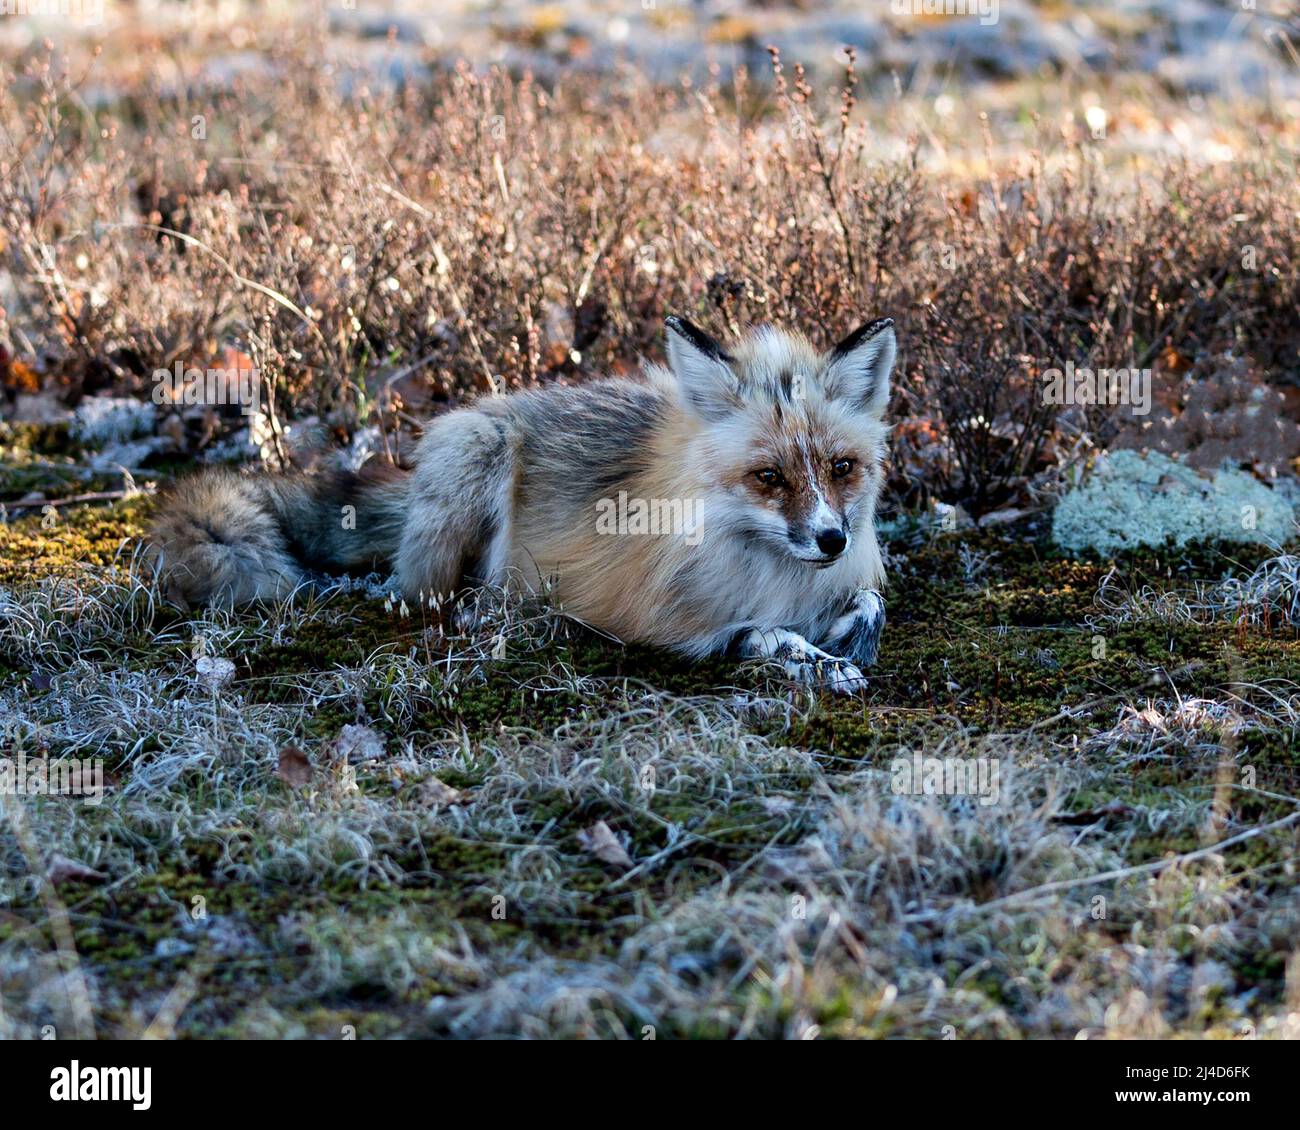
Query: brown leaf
[
  {"x": 1174, "y": 360},
  {"x": 601, "y": 843},
  {"x": 20, "y": 377},
  {"x": 1001, "y": 517},
  {"x": 294, "y": 768},
  {"x": 61, "y": 869}
]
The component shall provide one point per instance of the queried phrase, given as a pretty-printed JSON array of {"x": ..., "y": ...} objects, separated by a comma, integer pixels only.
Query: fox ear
[
  {"x": 701, "y": 367},
  {"x": 860, "y": 365}
]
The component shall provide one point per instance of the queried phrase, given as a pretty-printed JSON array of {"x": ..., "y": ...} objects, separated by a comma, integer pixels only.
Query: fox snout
[
  {"x": 820, "y": 541},
  {"x": 832, "y": 542},
  {"x": 819, "y": 528}
]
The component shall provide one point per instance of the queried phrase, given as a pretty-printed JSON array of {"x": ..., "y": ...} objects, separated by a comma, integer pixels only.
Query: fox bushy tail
[{"x": 226, "y": 538}]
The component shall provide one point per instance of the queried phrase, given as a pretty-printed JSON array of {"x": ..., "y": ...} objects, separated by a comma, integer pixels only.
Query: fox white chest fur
[{"x": 751, "y": 477}]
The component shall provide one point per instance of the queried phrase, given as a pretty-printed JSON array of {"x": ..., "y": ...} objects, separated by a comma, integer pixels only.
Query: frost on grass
[
  {"x": 511, "y": 830},
  {"x": 1268, "y": 595},
  {"x": 1272, "y": 591},
  {"x": 1131, "y": 500}
]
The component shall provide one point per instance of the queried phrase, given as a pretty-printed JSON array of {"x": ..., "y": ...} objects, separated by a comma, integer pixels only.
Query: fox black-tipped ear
[
  {"x": 701, "y": 367},
  {"x": 860, "y": 365}
]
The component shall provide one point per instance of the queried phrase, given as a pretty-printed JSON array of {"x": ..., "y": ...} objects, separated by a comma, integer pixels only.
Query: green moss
[{"x": 76, "y": 537}]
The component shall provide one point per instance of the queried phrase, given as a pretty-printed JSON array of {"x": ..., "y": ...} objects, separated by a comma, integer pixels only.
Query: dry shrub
[
  {"x": 380, "y": 251},
  {"x": 1220, "y": 412}
]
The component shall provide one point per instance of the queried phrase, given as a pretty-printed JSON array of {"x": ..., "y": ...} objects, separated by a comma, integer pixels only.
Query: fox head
[{"x": 793, "y": 438}]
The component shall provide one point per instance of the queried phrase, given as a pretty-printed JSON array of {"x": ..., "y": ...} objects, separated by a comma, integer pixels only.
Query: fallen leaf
[
  {"x": 1175, "y": 360},
  {"x": 601, "y": 843},
  {"x": 294, "y": 767},
  {"x": 1152, "y": 717},
  {"x": 214, "y": 672},
  {"x": 21, "y": 377},
  {"x": 64, "y": 870},
  {"x": 1001, "y": 517}
]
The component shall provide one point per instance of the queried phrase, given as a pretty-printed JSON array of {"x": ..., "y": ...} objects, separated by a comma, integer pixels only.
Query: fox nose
[{"x": 832, "y": 542}]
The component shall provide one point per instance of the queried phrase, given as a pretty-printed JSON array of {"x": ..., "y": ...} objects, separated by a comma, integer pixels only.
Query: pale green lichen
[
  {"x": 112, "y": 419},
  {"x": 1133, "y": 499}
]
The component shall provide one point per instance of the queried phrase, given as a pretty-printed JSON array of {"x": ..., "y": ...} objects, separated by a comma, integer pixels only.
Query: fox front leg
[
  {"x": 802, "y": 661},
  {"x": 856, "y": 634}
]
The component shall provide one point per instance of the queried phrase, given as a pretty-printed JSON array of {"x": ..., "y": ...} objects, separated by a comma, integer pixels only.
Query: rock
[
  {"x": 1223, "y": 415},
  {"x": 1016, "y": 42},
  {"x": 822, "y": 38},
  {"x": 38, "y": 408}
]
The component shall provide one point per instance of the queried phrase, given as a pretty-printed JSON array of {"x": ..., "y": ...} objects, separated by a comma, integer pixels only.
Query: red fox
[{"x": 724, "y": 504}]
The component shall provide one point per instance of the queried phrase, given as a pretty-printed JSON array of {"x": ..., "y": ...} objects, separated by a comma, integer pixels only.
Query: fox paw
[
  {"x": 857, "y": 633},
  {"x": 803, "y": 661},
  {"x": 836, "y": 675}
]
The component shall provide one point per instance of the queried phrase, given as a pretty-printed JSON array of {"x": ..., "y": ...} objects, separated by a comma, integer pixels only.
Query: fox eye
[
  {"x": 842, "y": 467},
  {"x": 769, "y": 477}
]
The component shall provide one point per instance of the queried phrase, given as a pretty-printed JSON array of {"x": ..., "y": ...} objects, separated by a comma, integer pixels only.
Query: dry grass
[{"x": 1270, "y": 595}]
